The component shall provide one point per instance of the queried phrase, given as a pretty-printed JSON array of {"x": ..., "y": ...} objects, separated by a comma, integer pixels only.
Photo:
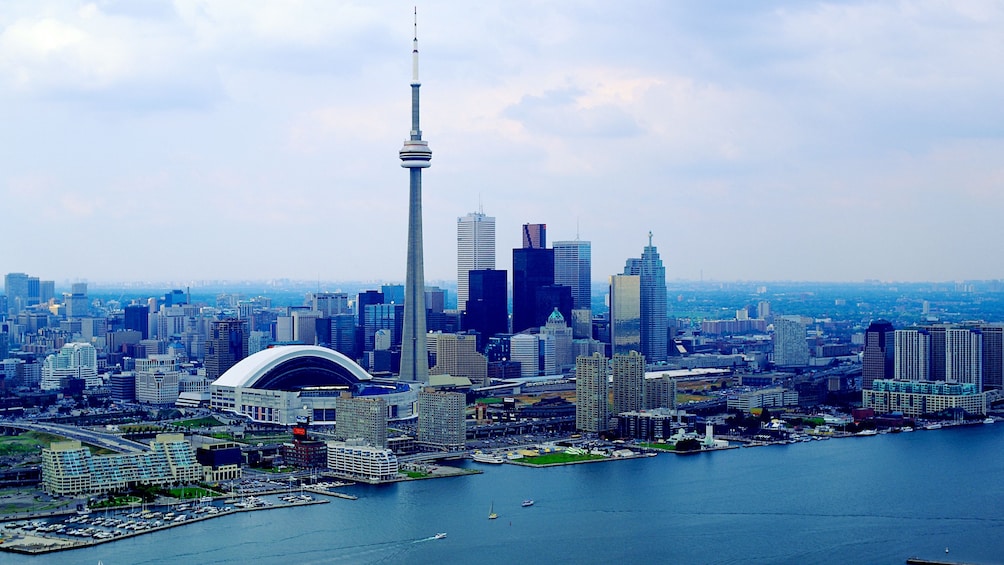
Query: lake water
[{"x": 867, "y": 500}]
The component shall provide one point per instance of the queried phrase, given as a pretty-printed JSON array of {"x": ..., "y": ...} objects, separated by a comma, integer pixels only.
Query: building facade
[
  {"x": 475, "y": 250},
  {"x": 917, "y": 398},
  {"x": 878, "y": 361},
  {"x": 652, "y": 298},
  {"x": 359, "y": 462},
  {"x": 790, "y": 347},
  {"x": 591, "y": 390},
  {"x": 441, "y": 420},
  {"x": 628, "y": 382},
  {"x": 625, "y": 314}
]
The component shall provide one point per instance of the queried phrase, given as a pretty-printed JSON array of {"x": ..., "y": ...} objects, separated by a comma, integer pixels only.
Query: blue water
[{"x": 867, "y": 500}]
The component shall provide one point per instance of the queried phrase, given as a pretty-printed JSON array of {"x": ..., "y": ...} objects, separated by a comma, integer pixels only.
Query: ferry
[{"x": 487, "y": 458}]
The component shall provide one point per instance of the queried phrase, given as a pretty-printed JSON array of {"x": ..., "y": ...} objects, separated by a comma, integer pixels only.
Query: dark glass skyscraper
[
  {"x": 485, "y": 311},
  {"x": 879, "y": 356},
  {"x": 227, "y": 344},
  {"x": 137, "y": 318},
  {"x": 532, "y": 269}
]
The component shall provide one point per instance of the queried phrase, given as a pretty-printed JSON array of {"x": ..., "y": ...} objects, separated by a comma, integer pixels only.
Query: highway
[{"x": 108, "y": 441}]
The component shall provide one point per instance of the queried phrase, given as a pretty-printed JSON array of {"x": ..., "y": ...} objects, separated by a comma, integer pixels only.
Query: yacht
[
  {"x": 527, "y": 502},
  {"x": 491, "y": 458}
]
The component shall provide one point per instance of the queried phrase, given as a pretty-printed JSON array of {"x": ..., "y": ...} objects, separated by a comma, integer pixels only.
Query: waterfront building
[
  {"x": 647, "y": 425},
  {"x": 964, "y": 356},
  {"x": 525, "y": 350},
  {"x": 917, "y": 398},
  {"x": 69, "y": 469},
  {"x": 628, "y": 382},
  {"x": 363, "y": 418},
  {"x": 771, "y": 397},
  {"x": 790, "y": 347},
  {"x": 457, "y": 355},
  {"x": 227, "y": 344},
  {"x": 573, "y": 268},
  {"x": 305, "y": 453},
  {"x": 441, "y": 420},
  {"x": 283, "y": 383},
  {"x": 938, "y": 351},
  {"x": 72, "y": 361},
  {"x": 912, "y": 357},
  {"x": 625, "y": 314},
  {"x": 652, "y": 298},
  {"x": 220, "y": 460},
  {"x": 878, "y": 361},
  {"x": 591, "y": 391},
  {"x": 475, "y": 250},
  {"x": 660, "y": 391},
  {"x": 415, "y": 156},
  {"x": 358, "y": 462}
]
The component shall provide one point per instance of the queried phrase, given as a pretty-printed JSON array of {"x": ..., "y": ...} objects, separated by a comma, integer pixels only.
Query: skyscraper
[
  {"x": 415, "y": 156},
  {"x": 654, "y": 323},
  {"x": 486, "y": 311},
  {"x": 964, "y": 356},
  {"x": 912, "y": 356},
  {"x": 591, "y": 411},
  {"x": 475, "y": 250},
  {"x": 993, "y": 356},
  {"x": 573, "y": 268},
  {"x": 534, "y": 236},
  {"x": 878, "y": 360},
  {"x": 227, "y": 344},
  {"x": 441, "y": 422},
  {"x": 532, "y": 269},
  {"x": 625, "y": 314}
]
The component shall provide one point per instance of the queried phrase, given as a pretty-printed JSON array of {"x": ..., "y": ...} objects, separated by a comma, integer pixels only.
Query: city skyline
[{"x": 137, "y": 136}]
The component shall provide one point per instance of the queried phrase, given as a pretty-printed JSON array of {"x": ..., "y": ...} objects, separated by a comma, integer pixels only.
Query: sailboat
[{"x": 491, "y": 511}]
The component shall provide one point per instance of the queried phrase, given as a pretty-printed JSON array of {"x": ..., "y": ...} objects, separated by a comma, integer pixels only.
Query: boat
[
  {"x": 866, "y": 433},
  {"x": 491, "y": 511},
  {"x": 935, "y": 426},
  {"x": 490, "y": 458},
  {"x": 527, "y": 502},
  {"x": 440, "y": 535},
  {"x": 989, "y": 420}
]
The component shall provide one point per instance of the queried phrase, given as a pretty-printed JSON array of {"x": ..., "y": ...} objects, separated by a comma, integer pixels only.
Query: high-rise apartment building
[
  {"x": 628, "y": 382},
  {"x": 475, "y": 250},
  {"x": 72, "y": 361},
  {"x": 964, "y": 356},
  {"x": 591, "y": 411},
  {"x": 912, "y": 357},
  {"x": 654, "y": 316},
  {"x": 625, "y": 314},
  {"x": 441, "y": 421},
  {"x": 790, "y": 347},
  {"x": 227, "y": 344},
  {"x": 993, "y": 356},
  {"x": 361, "y": 417},
  {"x": 878, "y": 361}
]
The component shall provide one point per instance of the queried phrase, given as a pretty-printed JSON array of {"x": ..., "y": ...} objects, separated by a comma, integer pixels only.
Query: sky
[{"x": 258, "y": 140}]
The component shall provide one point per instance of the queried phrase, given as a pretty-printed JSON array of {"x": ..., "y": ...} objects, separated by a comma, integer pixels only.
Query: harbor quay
[{"x": 81, "y": 530}]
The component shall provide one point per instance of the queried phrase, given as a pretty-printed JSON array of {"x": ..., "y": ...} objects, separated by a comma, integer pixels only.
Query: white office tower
[
  {"x": 964, "y": 356},
  {"x": 475, "y": 250},
  {"x": 523, "y": 349},
  {"x": 157, "y": 380},
  {"x": 912, "y": 361},
  {"x": 72, "y": 361}
]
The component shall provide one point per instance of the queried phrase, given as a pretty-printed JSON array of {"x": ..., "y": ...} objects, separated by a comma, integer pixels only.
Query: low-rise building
[
  {"x": 357, "y": 461},
  {"x": 916, "y": 398},
  {"x": 770, "y": 397},
  {"x": 68, "y": 468}
]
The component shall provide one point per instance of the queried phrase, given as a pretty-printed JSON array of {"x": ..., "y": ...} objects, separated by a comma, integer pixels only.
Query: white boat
[
  {"x": 935, "y": 426},
  {"x": 490, "y": 458},
  {"x": 491, "y": 511},
  {"x": 989, "y": 420},
  {"x": 440, "y": 535},
  {"x": 527, "y": 502},
  {"x": 866, "y": 433}
]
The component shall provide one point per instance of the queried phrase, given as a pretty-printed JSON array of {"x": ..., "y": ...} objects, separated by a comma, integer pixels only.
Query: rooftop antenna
[{"x": 650, "y": 238}]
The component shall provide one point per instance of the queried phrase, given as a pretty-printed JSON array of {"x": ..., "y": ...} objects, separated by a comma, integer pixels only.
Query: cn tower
[{"x": 415, "y": 156}]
